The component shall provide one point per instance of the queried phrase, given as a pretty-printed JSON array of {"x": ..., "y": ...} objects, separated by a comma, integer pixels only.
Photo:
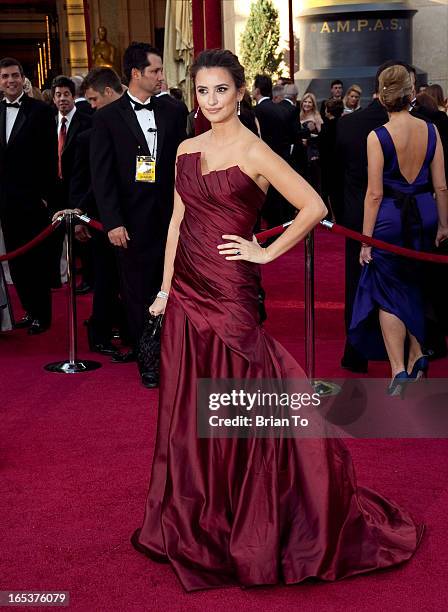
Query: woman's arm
[
  {"x": 440, "y": 189},
  {"x": 374, "y": 194},
  {"x": 261, "y": 160},
  {"x": 158, "y": 306}
]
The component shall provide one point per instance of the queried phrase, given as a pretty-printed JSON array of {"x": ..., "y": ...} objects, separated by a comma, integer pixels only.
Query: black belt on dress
[{"x": 410, "y": 214}]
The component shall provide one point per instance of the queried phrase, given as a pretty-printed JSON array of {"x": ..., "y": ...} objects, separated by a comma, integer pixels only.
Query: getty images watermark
[{"x": 266, "y": 408}]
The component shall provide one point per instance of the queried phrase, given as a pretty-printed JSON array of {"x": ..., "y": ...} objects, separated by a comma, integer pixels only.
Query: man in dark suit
[
  {"x": 336, "y": 93},
  {"x": 298, "y": 153},
  {"x": 28, "y": 167},
  {"x": 279, "y": 131},
  {"x": 70, "y": 122},
  {"x": 132, "y": 153},
  {"x": 102, "y": 86}
]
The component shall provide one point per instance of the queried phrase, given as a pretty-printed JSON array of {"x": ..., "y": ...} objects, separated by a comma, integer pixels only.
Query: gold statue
[{"x": 103, "y": 50}]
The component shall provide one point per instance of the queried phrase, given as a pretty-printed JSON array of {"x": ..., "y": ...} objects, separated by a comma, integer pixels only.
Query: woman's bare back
[{"x": 410, "y": 138}]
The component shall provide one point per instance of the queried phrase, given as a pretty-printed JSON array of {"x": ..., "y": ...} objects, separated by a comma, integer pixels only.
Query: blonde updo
[{"x": 395, "y": 88}]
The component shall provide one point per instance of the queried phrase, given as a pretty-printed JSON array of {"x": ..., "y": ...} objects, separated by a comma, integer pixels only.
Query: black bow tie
[
  {"x": 12, "y": 104},
  {"x": 137, "y": 106}
]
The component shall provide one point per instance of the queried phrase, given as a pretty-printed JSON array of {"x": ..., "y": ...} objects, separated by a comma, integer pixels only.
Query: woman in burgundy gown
[{"x": 256, "y": 511}]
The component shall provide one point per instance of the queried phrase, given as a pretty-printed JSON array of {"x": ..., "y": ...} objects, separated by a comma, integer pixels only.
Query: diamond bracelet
[{"x": 163, "y": 295}]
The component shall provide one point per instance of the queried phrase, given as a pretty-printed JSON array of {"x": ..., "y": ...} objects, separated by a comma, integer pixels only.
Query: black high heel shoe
[
  {"x": 398, "y": 384},
  {"x": 420, "y": 368}
]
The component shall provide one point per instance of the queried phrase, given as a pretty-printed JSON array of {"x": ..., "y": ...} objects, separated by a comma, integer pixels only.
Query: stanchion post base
[
  {"x": 72, "y": 367},
  {"x": 325, "y": 389}
]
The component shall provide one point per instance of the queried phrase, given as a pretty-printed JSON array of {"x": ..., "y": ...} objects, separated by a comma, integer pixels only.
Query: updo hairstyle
[
  {"x": 395, "y": 88},
  {"x": 219, "y": 58}
]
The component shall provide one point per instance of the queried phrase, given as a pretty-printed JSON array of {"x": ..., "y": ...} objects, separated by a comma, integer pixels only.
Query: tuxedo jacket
[
  {"x": 84, "y": 107},
  {"x": 297, "y": 134},
  {"x": 28, "y": 163},
  {"x": 280, "y": 127},
  {"x": 117, "y": 139},
  {"x": 275, "y": 125},
  {"x": 81, "y": 191},
  {"x": 351, "y": 159},
  {"x": 79, "y": 123}
]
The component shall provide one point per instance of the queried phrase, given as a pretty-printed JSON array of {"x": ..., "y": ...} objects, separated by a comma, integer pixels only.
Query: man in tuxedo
[
  {"x": 102, "y": 86},
  {"x": 280, "y": 129},
  {"x": 135, "y": 207},
  {"x": 28, "y": 170},
  {"x": 298, "y": 153},
  {"x": 279, "y": 133}
]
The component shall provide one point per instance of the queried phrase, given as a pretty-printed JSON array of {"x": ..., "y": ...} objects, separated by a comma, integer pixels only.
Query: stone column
[{"x": 349, "y": 41}]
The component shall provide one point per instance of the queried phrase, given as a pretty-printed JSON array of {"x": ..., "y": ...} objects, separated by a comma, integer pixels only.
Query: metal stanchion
[
  {"x": 321, "y": 387},
  {"x": 309, "y": 306},
  {"x": 73, "y": 365}
]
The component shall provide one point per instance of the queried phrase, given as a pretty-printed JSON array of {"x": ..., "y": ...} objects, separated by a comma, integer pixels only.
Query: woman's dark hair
[
  {"x": 436, "y": 92},
  {"x": 425, "y": 102},
  {"x": 176, "y": 92},
  {"x": 136, "y": 56},
  {"x": 334, "y": 107},
  {"x": 219, "y": 58}
]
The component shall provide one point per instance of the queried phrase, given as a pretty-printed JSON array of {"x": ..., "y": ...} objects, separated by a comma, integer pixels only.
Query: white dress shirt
[
  {"x": 68, "y": 117},
  {"x": 263, "y": 98},
  {"x": 147, "y": 122},
  {"x": 11, "y": 116}
]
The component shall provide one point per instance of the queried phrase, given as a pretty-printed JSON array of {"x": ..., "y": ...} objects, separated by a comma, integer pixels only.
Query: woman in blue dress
[{"x": 405, "y": 168}]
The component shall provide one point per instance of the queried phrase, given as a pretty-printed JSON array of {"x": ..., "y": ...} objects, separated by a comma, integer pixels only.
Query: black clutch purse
[{"x": 148, "y": 352}]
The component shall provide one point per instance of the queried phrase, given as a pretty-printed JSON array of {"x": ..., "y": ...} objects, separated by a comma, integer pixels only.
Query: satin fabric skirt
[
  {"x": 392, "y": 283},
  {"x": 255, "y": 511}
]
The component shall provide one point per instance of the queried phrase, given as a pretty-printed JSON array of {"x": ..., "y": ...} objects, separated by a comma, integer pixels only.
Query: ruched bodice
[{"x": 214, "y": 291}]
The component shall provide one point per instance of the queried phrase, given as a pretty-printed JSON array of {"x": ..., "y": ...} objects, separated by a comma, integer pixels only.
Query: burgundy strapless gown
[{"x": 246, "y": 511}]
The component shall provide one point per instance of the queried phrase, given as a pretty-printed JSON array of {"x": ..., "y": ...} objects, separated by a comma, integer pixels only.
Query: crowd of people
[
  {"x": 107, "y": 163},
  {"x": 235, "y": 510}
]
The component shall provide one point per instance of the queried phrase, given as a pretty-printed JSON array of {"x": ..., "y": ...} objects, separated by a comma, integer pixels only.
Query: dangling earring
[
  {"x": 196, "y": 113},
  {"x": 238, "y": 108}
]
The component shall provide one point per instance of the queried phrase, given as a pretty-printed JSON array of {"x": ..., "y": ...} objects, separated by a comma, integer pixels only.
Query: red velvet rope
[
  {"x": 91, "y": 222},
  {"x": 32, "y": 243},
  {"x": 336, "y": 229},
  {"x": 385, "y": 246}
]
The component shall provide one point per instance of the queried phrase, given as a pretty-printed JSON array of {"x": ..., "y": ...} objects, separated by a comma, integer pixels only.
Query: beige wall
[
  {"x": 72, "y": 37},
  {"x": 431, "y": 39}
]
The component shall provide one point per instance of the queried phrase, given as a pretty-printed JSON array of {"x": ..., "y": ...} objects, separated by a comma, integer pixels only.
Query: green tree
[{"x": 260, "y": 39}]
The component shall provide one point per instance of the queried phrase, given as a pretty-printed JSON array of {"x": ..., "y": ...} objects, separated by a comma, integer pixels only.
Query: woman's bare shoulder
[
  {"x": 255, "y": 148},
  {"x": 193, "y": 145}
]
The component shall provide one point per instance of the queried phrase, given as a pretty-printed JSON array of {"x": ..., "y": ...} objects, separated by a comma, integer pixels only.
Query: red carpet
[{"x": 75, "y": 457}]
